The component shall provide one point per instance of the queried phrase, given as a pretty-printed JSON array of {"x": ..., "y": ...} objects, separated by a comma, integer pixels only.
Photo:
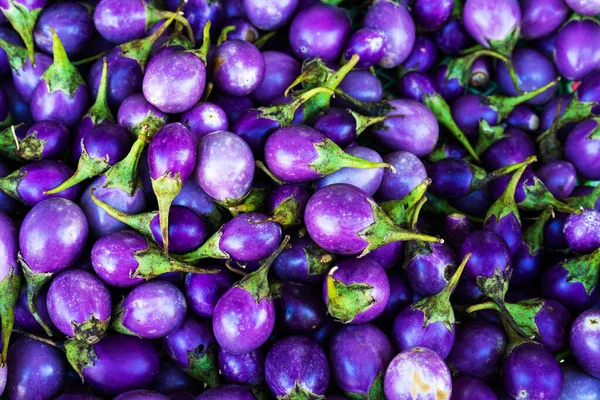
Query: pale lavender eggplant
[
  {"x": 297, "y": 366},
  {"x": 203, "y": 119},
  {"x": 369, "y": 44},
  {"x": 489, "y": 22},
  {"x": 203, "y": 291},
  {"x": 73, "y": 24},
  {"x": 542, "y": 17},
  {"x": 280, "y": 71},
  {"x": 398, "y": 27},
  {"x": 577, "y": 383},
  {"x": 584, "y": 338},
  {"x": 582, "y": 231},
  {"x": 269, "y": 16},
  {"x": 138, "y": 115},
  {"x": 243, "y": 369},
  {"x": 584, "y": 7},
  {"x": 362, "y": 85},
  {"x": 410, "y": 172},
  {"x": 582, "y": 148},
  {"x": 574, "y": 56},
  {"x": 238, "y": 68}
]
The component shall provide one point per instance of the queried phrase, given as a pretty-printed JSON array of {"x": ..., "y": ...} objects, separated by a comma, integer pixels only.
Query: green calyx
[
  {"x": 584, "y": 269},
  {"x": 346, "y": 301},
  {"x": 595, "y": 133},
  {"x": 117, "y": 320},
  {"x": 9, "y": 293},
  {"x": 202, "y": 52},
  {"x": 10, "y": 184},
  {"x": 481, "y": 177},
  {"x": 287, "y": 213},
  {"x": 437, "y": 308},
  {"x": 7, "y": 121},
  {"x": 152, "y": 263},
  {"x": 319, "y": 261},
  {"x": 441, "y": 110},
  {"x": 90, "y": 331},
  {"x": 35, "y": 282},
  {"x": 538, "y": 198},
  {"x": 100, "y": 111},
  {"x": 375, "y": 391},
  {"x": 587, "y": 201},
  {"x": 124, "y": 174},
  {"x": 203, "y": 366},
  {"x": 88, "y": 167},
  {"x": 365, "y": 121},
  {"x": 515, "y": 339},
  {"x": 575, "y": 111},
  {"x": 155, "y": 15},
  {"x": 331, "y": 158},
  {"x": 139, "y": 222},
  {"x": 314, "y": 73},
  {"x": 17, "y": 55},
  {"x": 284, "y": 113},
  {"x": 61, "y": 74},
  {"x": 9, "y": 143},
  {"x": 375, "y": 108},
  {"x": 80, "y": 355},
  {"x": 507, "y": 45},
  {"x": 23, "y": 21},
  {"x": 253, "y": 201},
  {"x": 209, "y": 249},
  {"x": 149, "y": 125},
  {"x": 298, "y": 392},
  {"x": 256, "y": 283},
  {"x": 505, "y": 205},
  {"x": 384, "y": 231},
  {"x": 31, "y": 148},
  {"x": 533, "y": 236},
  {"x": 166, "y": 188},
  {"x": 488, "y": 135},
  {"x": 460, "y": 68},
  {"x": 401, "y": 211},
  {"x": 504, "y": 105},
  {"x": 441, "y": 206},
  {"x": 178, "y": 39}
]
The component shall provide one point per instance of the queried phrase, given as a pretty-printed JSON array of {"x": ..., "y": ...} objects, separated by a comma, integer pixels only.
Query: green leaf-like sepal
[
  {"x": 459, "y": 68},
  {"x": 31, "y": 148},
  {"x": 253, "y": 201},
  {"x": 9, "y": 293},
  {"x": 35, "y": 282},
  {"x": 80, "y": 355},
  {"x": 61, "y": 74},
  {"x": 314, "y": 73},
  {"x": 210, "y": 249},
  {"x": 505, "y": 205},
  {"x": 373, "y": 108},
  {"x": 587, "y": 201},
  {"x": 8, "y": 143},
  {"x": 375, "y": 391},
  {"x": 90, "y": 331},
  {"x": 124, "y": 174},
  {"x": 17, "y": 55},
  {"x": 524, "y": 313},
  {"x": 506, "y": 45},
  {"x": 533, "y": 236},
  {"x": 10, "y": 184},
  {"x": 346, "y": 301},
  {"x": 203, "y": 366},
  {"x": 584, "y": 269},
  {"x": 284, "y": 113},
  {"x": 575, "y": 111},
  {"x": 23, "y": 21},
  {"x": 300, "y": 393},
  {"x": 488, "y": 135},
  {"x": 319, "y": 261},
  {"x": 538, "y": 198},
  {"x": 401, "y": 211},
  {"x": 100, "y": 111},
  {"x": 505, "y": 105},
  {"x": 166, "y": 188},
  {"x": 117, "y": 320},
  {"x": 139, "y": 222}
]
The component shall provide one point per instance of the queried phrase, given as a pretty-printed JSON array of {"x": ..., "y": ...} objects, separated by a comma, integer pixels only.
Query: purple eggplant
[
  {"x": 25, "y": 320},
  {"x": 125, "y": 258},
  {"x": 151, "y": 310},
  {"x": 560, "y": 177},
  {"x": 465, "y": 388},
  {"x": 410, "y": 172},
  {"x": 368, "y": 44},
  {"x": 239, "y": 68},
  {"x": 173, "y": 381},
  {"x": 72, "y": 23},
  {"x": 303, "y": 262},
  {"x": 299, "y": 308},
  {"x": 417, "y": 368},
  {"x": 236, "y": 392},
  {"x": 456, "y": 227},
  {"x": 363, "y": 85},
  {"x": 493, "y": 25},
  {"x": 581, "y": 231},
  {"x": 574, "y": 55},
  {"x": 590, "y": 8},
  {"x": 343, "y": 126},
  {"x": 577, "y": 383},
  {"x": 429, "y": 266},
  {"x": 522, "y": 117},
  {"x": 583, "y": 339},
  {"x": 286, "y": 204},
  {"x": 280, "y": 71},
  {"x": 199, "y": 13},
  {"x": 203, "y": 291},
  {"x": 241, "y": 29},
  {"x": 79, "y": 305},
  {"x": 480, "y": 72},
  {"x": 11, "y": 279},
  {"x": 269, "y": 16},
  {"x": 205, "y": 118},
  {"x": 194, "y": 349},
  {"x": 452, "y": 37},
  {"x": 12, "y": 37},
  {"x": 432, "y": 14},
  {"x": 583, "y": 147},
  {"x": 139, "y": 116},
  {"x": 415, "y": 86},
  {"x": 297, "y": 367},
  {"x": 243, "y": 369},
  {"x": 44, "y": 140},
  {"x": 141, "y": 394},
  {"x": 23, "y": 15},
  {"x": 542, "y": 17}
]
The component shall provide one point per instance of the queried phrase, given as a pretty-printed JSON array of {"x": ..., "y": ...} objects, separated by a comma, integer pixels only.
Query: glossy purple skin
[
  {"x": 527, "y": 267},
  {"x": 172, "y": 380},
  {"x": 414, "y": 85},
  {"x": 465, "y": 388},
  {"x": 175, "y": 82},
  {"x": 254, "y": 129},
  {"x": 190, "y": 335},
  {"x": 589, "y": 90},
  {"x": 198, "y": 13},
  {"x": 153, "y": 309},
  {"x": 555, "y": 285},
  {"x": 121, "y": 22},
  {"x": 233, "y": 8},
  {"x": 233, "y": 106},
  {"x": 134, "y": 109},
  {"x": 296, "y": 360},
  {"x": 10, "y": 36},
  {"x": 203, "y": 291},
  {"x": 416, "y": 131},
  {"x": 481, "y": 361},
  {"x": 172, "y": 151},
  {"x": 584, "y": 339},
  {"x": 367, "y": 272},
  {"x": 529, "y": 78},
  {"x": 76, "y": 296},
  {"x": 512, "y": 149},
  {"x": 452, "y": 37},
  {"x": 449, "y": 89},
  {"x": 194, "y": 198},
  {"x": 542, "y": 17},
  {"x": 585, "y": 7},
  {"x": 358, "y": 354},
  {"x": 577, "y": 49},
  {"x": 8, "y": 246},
  {"x": 108, "y": 140},
  {"x": 338, "y": 125},
  {"x": 367, "y": 180},
  {"x": 79, "y": 132},
  {"x": 246, "y": 239},
  {"x": 369, "y": 44},
  {"x": 100, "y": 222},
  {"x": 468, "y": 110},
  {"x": 73, "y": 24},
  {"x": 45, "y": 175},
  {"x": 23, "y": 317},
  {"x": 532, "y": 369},
  {"x": 410, "y": 369},
  {"x": 244, "y": 30},
  {"x": 583, "y": 151},
  {"x": 582, "y": 231},
  {"x": 19, "y": 108},
  {"x": 410, "y": 172},
  {"x": 284, "y": 192},
  {"x": 560, "y": 177},
  {"x": 292, "y": 265},
  {"x": 141, "y": 395},
  {"x": 577, "y": 383},
  {"x": 522, "y": 117},
  {"x": 476, "y": 203},
  {"x": 205, "y": 118},
  {"x": 362, "y": 85},
  {"x": 553, "y": 322},
  {"x": 432, "y": 14},
  {"x": 240, "y": 323},
  {"x": 401, "y": 295},
  {"x": 319, "y": 31},
  {"x": 113, "y": 257},
  {"x": 280, "y": 71},
  {"x": 239, "y": 68},
  {"x": 123, "y": 363},
  {"x": 268, "y": 15},
  {"x": 227, "y": 153},
  {"x": 508, "y": 228},
  {"x": 451, "y": 177},
  {"x": 58, "y": 106},
  {"x": 57, "y": 138},
  {"x": 423, "y": 55},
  {"x": 299, "y": 309},
  {"x": 409, "y": 331},
  {"x": 398, "y": 27},
  {"x": 37, "y": 370},
  {"x": 480, "y": 71},
  {"x": 27, "y": 78},
  {"x": 124, "y": 77},
  {"x": 488, "y": 253},
  {"x": 387, "y": 255},
  {"x": 583, "y": 191},
  {"x": 230, "y": 392},
  {"x": 428, "y": 273},
  {"x": 53, "y": 247},
  {"x": 491, "y": 21},
  {"x": 243, "y": 369},
  {"x": 455, "y": 229},
  {"x": 187, "y": 230}
]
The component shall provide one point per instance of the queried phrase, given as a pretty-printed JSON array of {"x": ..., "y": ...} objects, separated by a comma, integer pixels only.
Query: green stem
[
  {"x": 202, "y": 52},
  {"x": 17, "y": 55},
  {"x": 23, "y": 21},
  {"x": 139, "y": 222},
  {"x": 90, "y": 58},
  {"x": 100, "y": 111},
  {"x": 284, "y": 113},
  {"x": 504, "y": 105},
  {"x": 9, "y": 294},
  {"x": 124, "y": 174},
  {"x": 453, "y": 282},
  {"x": 264, "y": 39},
  {"x": 260, "y": 165},
  {"x": 489, "y": 305},
  {"x": 223, "y": 36},
  {"x": 35, "y": 282},
  {"x": 166, "y": 188},
  {"x": 182, "y": 20},
  {"x": 400, "y": 211},
  {"x": 87, "y": 167},
  {"x": 209, "y": 249}
]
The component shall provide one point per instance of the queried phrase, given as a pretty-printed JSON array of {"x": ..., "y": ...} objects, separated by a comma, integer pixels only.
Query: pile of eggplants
[{"x": 300, "y": 199}]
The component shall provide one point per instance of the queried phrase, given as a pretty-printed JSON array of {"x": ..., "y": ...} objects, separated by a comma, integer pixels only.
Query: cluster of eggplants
[{"x": 285, "y": 199}]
